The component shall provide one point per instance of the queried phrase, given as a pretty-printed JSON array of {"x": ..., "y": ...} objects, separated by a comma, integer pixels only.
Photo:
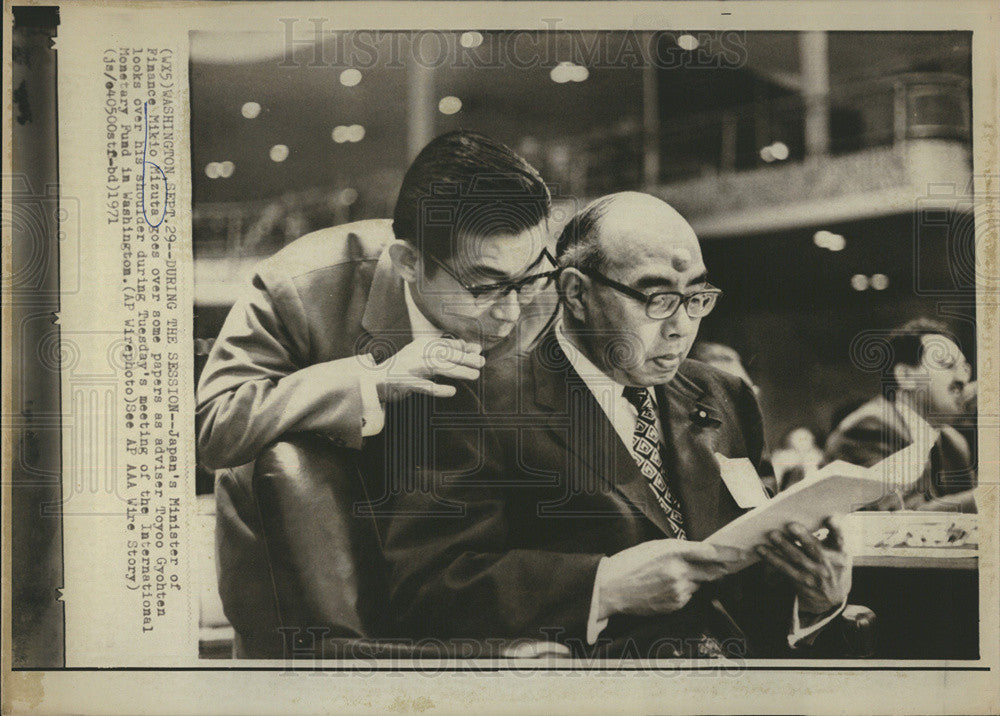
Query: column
[{"x": 815, "y": 73}]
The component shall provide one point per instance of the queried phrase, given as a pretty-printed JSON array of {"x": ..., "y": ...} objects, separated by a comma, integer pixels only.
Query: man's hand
[
  {"x": 411, "y": 369},
  {"x": 658, "y": 577},
  {"x": 820, "y": 571}
]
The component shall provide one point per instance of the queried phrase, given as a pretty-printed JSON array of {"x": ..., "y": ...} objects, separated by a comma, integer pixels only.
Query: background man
[
  {"x": 579, "y": 518},
  {"x": 925, "y": 388},
  {"x": 346, "y": 321}
]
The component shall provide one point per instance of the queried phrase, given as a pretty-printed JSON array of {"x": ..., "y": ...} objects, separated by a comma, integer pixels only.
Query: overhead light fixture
[
  {"x": 278, "y": 153},
  {"x": 859, "y": 282},
  {"x": 569, "y": 72},
  {"x": 449, "y": 105},
  {"x": 348, "y": 133},
  {"x": 471, "y": 40},
  {"x": 350, "y": 77},
  {"x": 829, "y": 240},
  {"x": 687, "y": 42},
  {"x": 226, "y": 169},
  {"x": 879, "y": 281},
  {"x": 774, "y": 152},
  {"x": 212, "y": 170},
  {"x": 250, "y": 110}
]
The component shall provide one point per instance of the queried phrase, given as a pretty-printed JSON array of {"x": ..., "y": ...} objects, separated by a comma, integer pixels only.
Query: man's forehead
[
  {"x": 652, "y": 256},
  {"x": 505, "y": 252},
  {"x": 635, "y": 234}
]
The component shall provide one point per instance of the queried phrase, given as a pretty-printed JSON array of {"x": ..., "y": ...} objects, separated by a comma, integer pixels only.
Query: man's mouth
[
  {"x": 495, "y": 337},
  {"x": 668, "y": 361}
]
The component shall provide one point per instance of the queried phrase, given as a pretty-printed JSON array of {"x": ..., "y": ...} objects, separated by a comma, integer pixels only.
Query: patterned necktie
[{"x": 646, "y": 451}]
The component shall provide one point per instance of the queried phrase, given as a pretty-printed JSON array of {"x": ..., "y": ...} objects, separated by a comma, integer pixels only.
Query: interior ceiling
[{"x": 302, "y": 103}]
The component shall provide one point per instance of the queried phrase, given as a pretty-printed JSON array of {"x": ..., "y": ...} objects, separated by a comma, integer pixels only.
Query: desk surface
[
  {"x": 954, "y": 559},
  {"x": 914, "y": 540}
]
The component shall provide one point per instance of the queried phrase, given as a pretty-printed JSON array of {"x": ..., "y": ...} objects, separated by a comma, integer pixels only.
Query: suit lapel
[
  {"x": 385, "y": 321},
  {"x": 576, "y": 422},
  {"x": 691, "y": 422}
]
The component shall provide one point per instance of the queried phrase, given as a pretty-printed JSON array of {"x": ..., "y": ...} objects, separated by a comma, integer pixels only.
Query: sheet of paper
[
  {"x": 839, "y": 488},
  {"x": 742, "y": 479}
]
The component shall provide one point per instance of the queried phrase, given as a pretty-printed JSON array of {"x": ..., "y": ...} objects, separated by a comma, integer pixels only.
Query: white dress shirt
[
  {"x": 623, "y": 415},
  {"x": 921, "y": 432}
]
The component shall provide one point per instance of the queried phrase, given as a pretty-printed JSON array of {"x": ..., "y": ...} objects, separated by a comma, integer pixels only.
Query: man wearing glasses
[
  {"x": 308, "y": 347},
  {"x": 344, "y": 323},
  {"x": 926, "y": 389},
  {"x": 582, "y": 513}
]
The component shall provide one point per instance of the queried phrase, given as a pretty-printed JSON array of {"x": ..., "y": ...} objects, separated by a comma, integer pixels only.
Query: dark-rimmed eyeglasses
[
  {"x": 664, "y": 304},
  {"x": 527, "y": 287}
]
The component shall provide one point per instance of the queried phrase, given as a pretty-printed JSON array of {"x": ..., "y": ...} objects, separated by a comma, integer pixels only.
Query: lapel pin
[{"x": 702, "y": 416}]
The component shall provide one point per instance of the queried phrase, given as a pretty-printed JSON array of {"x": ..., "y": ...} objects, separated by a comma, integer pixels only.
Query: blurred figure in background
[
  {"x": 727, "y": 359},
  {"x": 798, "y": 459},
  {"x": 724, "y": 358},
  {"x": 925, "y": 389}
]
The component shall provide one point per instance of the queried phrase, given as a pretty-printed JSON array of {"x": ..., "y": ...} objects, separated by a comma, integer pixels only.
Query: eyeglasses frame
[
  {"x": 647, "y": 298},
  {"x": 504, "y": 286}
]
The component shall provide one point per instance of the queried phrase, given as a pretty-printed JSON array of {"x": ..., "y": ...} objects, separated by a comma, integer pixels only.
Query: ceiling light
[
  {"x": 859, "y": 282},
  {"x": 250, "y": 110},
  {"x": 449, "y": 105},
  {"x": 880, "y": 281},
  {"x": 278, "y": 153},
  {"x": 829, "y": 240},
  {"x": 353, "y": 133},
  {"x": 212, "y": 170},
  {"x": 687, "y": 42},
  {"x": 350, "y": 78},
  {"x": 774, "y": 152},
  {"x": 470, "y": 40},
  {"x": 226, "y": 169},
  {"x": 569, "y": 72}
]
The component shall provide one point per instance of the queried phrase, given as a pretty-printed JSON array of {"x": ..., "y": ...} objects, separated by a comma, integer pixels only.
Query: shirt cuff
[
  {"x": 372, "y": 413},
  {"x": 594, "y": 625},
  {"x": 799, "y": 633}
]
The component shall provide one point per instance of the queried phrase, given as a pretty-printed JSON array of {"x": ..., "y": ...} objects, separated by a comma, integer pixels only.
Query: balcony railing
[{"x": 859, "y": 116}]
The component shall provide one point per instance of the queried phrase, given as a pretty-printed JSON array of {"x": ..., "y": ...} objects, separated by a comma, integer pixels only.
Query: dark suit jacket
[
  {"x": 528, "y": 485},
  {"x": 876, "y": 430}
]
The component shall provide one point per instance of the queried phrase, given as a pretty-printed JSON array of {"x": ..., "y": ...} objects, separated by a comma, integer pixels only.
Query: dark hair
[
  {"x": 577, "y": 245},
  {"x": 906, "y": 346},
  {"x": 464, "y": 184}
]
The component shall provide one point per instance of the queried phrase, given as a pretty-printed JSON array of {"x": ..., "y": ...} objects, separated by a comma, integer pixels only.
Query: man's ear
[
  {"x": 573, "y": 286},
  {"x": 406, "y": 260},
  {"x": 905, "y": 376}
]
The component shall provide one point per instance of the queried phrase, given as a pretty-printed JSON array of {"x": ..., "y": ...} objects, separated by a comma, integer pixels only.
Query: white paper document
[{"x": 839, "y": 488}]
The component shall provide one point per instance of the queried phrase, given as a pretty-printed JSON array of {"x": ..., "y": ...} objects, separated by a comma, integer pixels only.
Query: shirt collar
[
  {"x": 596, "y": 379},
  {"x": 918, "y": 427},
  {"x": 420, "y": 325}
]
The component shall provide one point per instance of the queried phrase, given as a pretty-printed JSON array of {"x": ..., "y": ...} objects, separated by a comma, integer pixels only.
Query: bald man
[{"x": 575, "y": 510}]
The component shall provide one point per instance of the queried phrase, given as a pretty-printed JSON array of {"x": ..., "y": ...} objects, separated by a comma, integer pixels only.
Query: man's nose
[
  {"x": 679, "y": 325},
  {"x": 507, "y": 308}
]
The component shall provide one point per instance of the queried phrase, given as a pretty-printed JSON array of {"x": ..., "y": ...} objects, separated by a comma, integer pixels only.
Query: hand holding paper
[
  {"x": 837, "y": 489},
  {"x": 820, "y": 572}
]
